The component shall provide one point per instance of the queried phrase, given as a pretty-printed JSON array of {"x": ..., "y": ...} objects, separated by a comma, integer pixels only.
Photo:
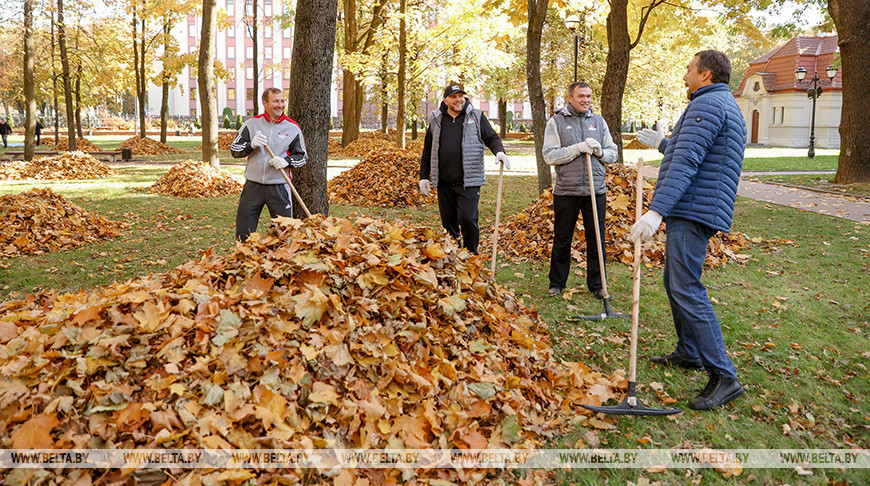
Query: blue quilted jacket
[{"x": 701, "y": 168}]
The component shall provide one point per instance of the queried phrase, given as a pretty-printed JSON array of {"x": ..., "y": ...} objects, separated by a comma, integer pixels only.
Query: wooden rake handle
[{"x": 290, "y": 183}]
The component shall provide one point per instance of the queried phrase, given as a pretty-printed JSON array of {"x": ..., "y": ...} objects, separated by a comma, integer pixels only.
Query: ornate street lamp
[
  {"x": 572, "y": 22},
  {"x": 813, "y": 93}
]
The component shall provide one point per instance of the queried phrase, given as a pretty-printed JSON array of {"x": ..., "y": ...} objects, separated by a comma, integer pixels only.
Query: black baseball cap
[{"x": 452, "y": 89}]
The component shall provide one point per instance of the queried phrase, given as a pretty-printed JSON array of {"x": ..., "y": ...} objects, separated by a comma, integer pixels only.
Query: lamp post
[
  {"x": 572, "y": 22},
  {"x": 813, "y": 93}
]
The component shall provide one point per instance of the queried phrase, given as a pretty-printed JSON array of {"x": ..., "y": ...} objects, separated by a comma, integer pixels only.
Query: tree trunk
[
  {"x": 537, "y": 13},
  {"x": 851, "y": 18},
  {"x": 143, "y": 79},
  {"x": 205, "y": 83},
  {"x": 136, "y": 72},
  {"x": 29, "y": 83},
  {"x": 256, "y": 45},
  {"x": 164, "y": 100},
  {"x": 81, "y": 133},
  {"x": 385, "y": 106},
  {"x": 616, "y": 73},
  {"x": 54, "y": 82},
  {"x": 350, "y": 115},
  {"x": 502, "y": 117},
  {"x": 67, "y": 89},
  {"x": 308, "y": 101},
  {"x": 403, "y": 61}
]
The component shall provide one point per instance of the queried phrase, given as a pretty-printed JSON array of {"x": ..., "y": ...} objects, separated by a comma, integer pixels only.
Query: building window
[
  {"x": 267, "y": 53},
  {"x": 267, "y": 32},
  {"x": 756, "y": 87},
  {"x": 249, "y": 52},
  {"x": 250, "y": 93},
  {"x": 231, "y": 93},
  {"x": 231, "y": 6},
  {"x": 267, "y": 6},
  {"x": 231, "y": 52},
  {"x": 193, "y": 93},
  {"x": 191, "y": 30},
  {"x": 231, "y": 31},
  {"x": 287, "y": 34},
  {"x": 249, "y": 9},
  {"x": 249, "y": 73},
  {"x": 287, "y": 52},
  {"x": 774, "y": 116},
  {"x": 781, "y": 114}
]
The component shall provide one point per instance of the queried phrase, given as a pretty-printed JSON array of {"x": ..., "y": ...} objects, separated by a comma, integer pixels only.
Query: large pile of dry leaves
[
  {"x": 386, "y": 177},
  {"x": 148, "y": 146},
  {"x": 225, "y": 140},
  {"x": 195, "y": 178},
  {"x": 528, "y": 235},
  {"x": 46, "y": 140},
  {"x": 325, "y": 333},
  {"x": 40, "y": 221},
  {"x": 68, "y": 165},
  {"x": 373, "y": 140},
  {"x": 82, "y": 145},
  {"x": 635, "y": 144}
]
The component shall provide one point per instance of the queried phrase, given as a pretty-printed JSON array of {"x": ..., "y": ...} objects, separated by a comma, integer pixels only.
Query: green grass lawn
[
  {"x": 795, "y": 318},
  {"x": 823, "y": 182}
]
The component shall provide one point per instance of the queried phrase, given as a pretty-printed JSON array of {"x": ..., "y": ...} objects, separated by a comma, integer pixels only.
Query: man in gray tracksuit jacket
[
  {"x": 453, "y": 161},
  {"x": 264, "y": 184},
  {"x": 571, "y": 133}
]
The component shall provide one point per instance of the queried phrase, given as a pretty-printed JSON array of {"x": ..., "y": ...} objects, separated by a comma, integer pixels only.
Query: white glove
[
  {"x": 646, "y": 226},
  {"x": 651, "y": 138},
  {"x": 259, "y": 140},
  {"x": 501, "y": 157},
  {"x": 425, "y": 187},
  {"x": 278, "y": 163},
  {"x": 595, "y": 146},
  {"x": 583, "y": 148}
]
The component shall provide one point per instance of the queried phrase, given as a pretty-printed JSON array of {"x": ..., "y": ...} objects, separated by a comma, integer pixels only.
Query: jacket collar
[
  {"x": 707, "y": 89},
  {"x": 265, "y": 116},
  {"x": 569, "y": 110}
]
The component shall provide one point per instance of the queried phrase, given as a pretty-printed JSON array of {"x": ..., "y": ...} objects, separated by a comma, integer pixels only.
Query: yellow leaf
[
  {"x": 323, "y": 393},
  {"x": 35, "y": 433}
]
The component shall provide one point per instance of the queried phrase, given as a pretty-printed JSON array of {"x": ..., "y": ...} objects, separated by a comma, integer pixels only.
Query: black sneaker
[
  {"x": 598, "y": 293},
  {"x": 554, "y": 291},
  {"x": 674, "y": 360},
  {"x": 719, "y": 391}
]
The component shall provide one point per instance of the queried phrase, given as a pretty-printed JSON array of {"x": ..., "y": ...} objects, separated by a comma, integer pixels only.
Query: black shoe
[
  {"x": 554, "y": 291},
  {"x": 719, "y": 391},
  {"x": 598, "y": 293},
  {"x": 674, "y": 360}
]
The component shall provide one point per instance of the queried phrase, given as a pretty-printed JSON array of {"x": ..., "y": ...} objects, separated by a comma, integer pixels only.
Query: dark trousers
[
  {"x": 254, "y": 196},
  {"x": 459, "y": 212},
  {"x": 4, "y": 140},
  {"x": 567, "y": 209}
]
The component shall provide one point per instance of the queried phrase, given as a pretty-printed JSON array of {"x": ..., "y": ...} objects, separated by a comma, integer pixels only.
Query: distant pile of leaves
[
  {"x": 323, "y": 333},
  {"x": 635, "y": 144},
  {"x": 225, "y": 140},
  {"x": 373, "y": 140},
  {"x": 528, "y": 235},
  {"x": 68, "y": 165},
  {"x": 386, "y": 177},
  {"x": 46, "y": 140},
  {"x": 195, "y": 178},
  {"x": 148, "y": 146},
  {"x": 41, "y": 221},
  {"x": 82, "y": 145}
]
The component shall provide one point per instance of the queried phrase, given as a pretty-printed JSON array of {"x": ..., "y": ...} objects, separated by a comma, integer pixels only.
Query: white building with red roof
[{"x": 776, "y": 107}]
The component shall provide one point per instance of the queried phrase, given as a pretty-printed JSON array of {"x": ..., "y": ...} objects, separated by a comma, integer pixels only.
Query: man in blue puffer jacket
[{"x": 695, "y": 193}]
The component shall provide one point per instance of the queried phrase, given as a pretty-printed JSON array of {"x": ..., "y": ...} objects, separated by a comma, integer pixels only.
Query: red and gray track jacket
[{"x": 285, "y": 138}]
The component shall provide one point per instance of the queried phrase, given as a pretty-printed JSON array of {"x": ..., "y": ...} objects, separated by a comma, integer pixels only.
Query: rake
[{"x": 631, "y": 405}]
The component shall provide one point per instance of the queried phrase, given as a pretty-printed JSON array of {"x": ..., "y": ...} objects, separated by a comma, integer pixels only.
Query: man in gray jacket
[
  {"x": 453, "y": 161},
  {"x": 571, "y": 133},
  {"x": 264, "y": 184}
]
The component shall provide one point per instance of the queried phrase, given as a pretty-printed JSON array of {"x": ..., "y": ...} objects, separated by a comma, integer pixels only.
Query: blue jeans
[{"x": 699, "y": 336}]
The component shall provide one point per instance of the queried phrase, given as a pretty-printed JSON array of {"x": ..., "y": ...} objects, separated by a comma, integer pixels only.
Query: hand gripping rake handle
[{"x": 290, "y": 183}]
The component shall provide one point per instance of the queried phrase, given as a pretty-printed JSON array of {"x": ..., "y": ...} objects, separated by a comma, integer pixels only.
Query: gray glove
[
  {"x": 583, "y": 147},
  {"x": 259, "y": 140},
  {"x": 278, "y": 163},
  {"x": 425, "y": 187},
  {"x": 651, "y": 138},
  {"x": 595, "y": 146},
  {"x": 646, "y": 226}
]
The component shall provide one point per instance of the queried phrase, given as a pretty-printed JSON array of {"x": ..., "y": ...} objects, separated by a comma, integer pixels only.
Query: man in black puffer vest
[{"x": 453, "y": 161}]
